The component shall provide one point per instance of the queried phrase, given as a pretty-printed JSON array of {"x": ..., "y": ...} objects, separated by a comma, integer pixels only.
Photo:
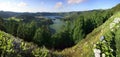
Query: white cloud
[
  {"x": 75, "y": 1},
  {"x": 22, "y": 4},
  {"x": 58, "y": 5},
  {"x": 4, "y": 5},
  {"x": 9, "y": 6}
]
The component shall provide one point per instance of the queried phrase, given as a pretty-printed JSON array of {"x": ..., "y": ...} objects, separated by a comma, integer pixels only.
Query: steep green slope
[
  {"x": 116, "y": 8},
  {"x": 86, "y": 46},
  {"x": 15, "y": 47},
  {"x": 117, "y": 40}
]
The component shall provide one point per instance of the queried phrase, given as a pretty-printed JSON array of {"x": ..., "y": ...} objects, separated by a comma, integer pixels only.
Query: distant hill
[{"x": 7, "y": 14}]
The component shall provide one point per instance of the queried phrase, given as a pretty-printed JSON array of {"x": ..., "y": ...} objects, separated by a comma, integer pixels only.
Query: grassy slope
[
  {"x": 85, "y": 47},
  {"x": 117, "y": 40}
]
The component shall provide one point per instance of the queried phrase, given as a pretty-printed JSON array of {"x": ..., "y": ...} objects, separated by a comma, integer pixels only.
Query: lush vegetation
[
  {"x": 11, "y": 46},
  {"x": 76, "y": 31}
]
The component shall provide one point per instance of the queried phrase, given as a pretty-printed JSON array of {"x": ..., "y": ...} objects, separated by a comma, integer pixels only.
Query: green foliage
[
  {"x": 21, "y": 30},
  {"x": 38, "y": 38},
  {"x": 15, "y": 19},
  {"x": 78, "y": 33},
  {"x": 2, "y": 24},
  {"x": 62, "y": 40},
  {"x": 26, "y": 17},
  {"x": 117, "y": 40},
  {"x": 6, "y": 48},
  {"x": 11, "y": 27},
  {"x": 11, "y": 47},
  {"x": 107, "y": 45},
  {"x": 41, "y": 52},
  {"x": 84, "y": 23},
  {"x": 116, "y": 8},
  {"x": 27, "y": 31},
  {"x": 42, "y": 36}
]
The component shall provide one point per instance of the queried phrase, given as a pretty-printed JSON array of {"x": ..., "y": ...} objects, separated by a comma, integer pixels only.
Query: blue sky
[{"x": 55, "y": 5}]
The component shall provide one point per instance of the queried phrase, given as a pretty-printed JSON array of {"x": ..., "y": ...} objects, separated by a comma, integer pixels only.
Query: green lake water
[{"x": 58, "y": 25}]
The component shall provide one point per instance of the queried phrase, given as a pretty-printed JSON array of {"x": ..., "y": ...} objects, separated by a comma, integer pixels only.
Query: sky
[{"x": 55, "y": 5}]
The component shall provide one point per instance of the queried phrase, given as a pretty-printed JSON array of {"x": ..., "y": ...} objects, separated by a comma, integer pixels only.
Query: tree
[
  {"x": 42, "y": 36},
  {"x": 78, "y": 33},
  {"x": 89, "y": 26},
  {"x": 21, "y": 30},
  {"x": 1, "y": 24},
  {"x": 27, "y": 31},
  {"x": 30, "y": 30},
  {"x": 62, "y": 40},
  {"x": 11, "y": 26}
]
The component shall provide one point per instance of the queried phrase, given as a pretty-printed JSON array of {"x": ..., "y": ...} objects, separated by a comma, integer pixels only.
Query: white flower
[
  {"x": 116, "y": 20},
  {"x": 103, "y": 55},
  {"x": 97, "y": 52},
  {"x": 104, "y": 41}
]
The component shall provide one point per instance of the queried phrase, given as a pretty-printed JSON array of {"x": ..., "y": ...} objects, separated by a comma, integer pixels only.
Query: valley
[{"x": 90, "y": 33}]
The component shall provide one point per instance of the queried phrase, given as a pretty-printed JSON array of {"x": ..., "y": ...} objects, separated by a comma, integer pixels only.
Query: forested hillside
[
  {"x": 30, "y": 34},
  {"x": 109, "y": 44}
]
